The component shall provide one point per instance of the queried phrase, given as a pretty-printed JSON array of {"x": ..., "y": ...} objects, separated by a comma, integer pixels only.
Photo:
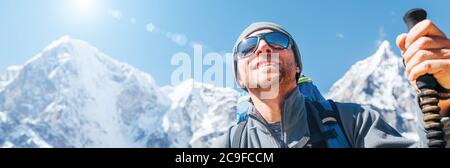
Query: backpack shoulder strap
[
  {"x": 316, "y": 139},
  {"x": 342, "y": 134},
  {"x": 329, "y": 124},
  {"x": 235, "y": 134}
]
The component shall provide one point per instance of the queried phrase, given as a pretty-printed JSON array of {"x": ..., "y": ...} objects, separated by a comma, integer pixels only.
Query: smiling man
[{"x": 267, "y": 66}]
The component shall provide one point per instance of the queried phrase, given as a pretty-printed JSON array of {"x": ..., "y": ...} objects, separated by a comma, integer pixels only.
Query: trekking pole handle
[
  {"x": 414, "y": 16},
  {"x": 428, "y": 97},
  {"x": 411, "y": 18}
]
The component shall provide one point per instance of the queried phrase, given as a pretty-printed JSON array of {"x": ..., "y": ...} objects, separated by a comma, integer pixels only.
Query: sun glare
[
  {"x": 83, "y": 10},
  {"x": 84, "y": 6}
]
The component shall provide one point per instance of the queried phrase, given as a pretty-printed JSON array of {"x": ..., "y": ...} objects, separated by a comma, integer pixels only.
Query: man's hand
[{"x": 426, "y": 50}]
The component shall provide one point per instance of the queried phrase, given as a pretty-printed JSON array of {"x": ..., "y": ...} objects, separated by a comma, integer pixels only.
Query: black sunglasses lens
[
  {"x": 247, "y": 46},
  {"x": 277, "y": 40}
]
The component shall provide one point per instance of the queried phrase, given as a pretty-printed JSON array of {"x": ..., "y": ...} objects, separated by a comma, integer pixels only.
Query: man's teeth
[{"x": 267, "y": 64}]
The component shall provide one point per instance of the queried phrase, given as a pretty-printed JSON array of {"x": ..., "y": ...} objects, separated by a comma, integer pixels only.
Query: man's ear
[{"x": 297, "y": 69}]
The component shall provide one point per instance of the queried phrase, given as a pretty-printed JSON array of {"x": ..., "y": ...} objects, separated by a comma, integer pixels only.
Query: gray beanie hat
[{"x": 259, "y": 26}]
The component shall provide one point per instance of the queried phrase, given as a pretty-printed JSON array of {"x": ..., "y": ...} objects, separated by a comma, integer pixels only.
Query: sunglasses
[{"x": 276, "y": 40}]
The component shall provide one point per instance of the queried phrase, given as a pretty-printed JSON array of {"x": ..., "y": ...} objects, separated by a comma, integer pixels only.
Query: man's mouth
[{"x": 262, "y": 64}]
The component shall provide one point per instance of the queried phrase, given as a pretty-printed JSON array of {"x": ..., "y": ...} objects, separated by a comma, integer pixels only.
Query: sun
[
  {"x": 84, "y": 10},
  {"x": 84, "y": 6}
]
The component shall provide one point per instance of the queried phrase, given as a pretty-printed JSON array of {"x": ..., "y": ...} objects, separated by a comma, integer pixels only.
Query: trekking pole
[{"x": 428, "y": 96}]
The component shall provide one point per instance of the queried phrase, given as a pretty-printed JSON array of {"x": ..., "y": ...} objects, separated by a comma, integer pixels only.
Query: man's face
[{"x": 267, "y": 66}]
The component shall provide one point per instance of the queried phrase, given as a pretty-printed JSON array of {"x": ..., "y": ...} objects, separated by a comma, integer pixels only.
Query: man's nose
[{"x": 263, "y": 47}]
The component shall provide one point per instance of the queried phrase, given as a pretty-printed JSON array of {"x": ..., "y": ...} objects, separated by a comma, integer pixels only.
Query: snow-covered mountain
[
  {"x": 199, "y": 113},
  {"x": 7, "y": 76},
  {"x": 379, "y": 81},
  {"x": 72, "y": 95}
]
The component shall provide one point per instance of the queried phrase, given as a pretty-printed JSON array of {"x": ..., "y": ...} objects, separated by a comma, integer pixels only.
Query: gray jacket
[{"x": 363, "y": 127}]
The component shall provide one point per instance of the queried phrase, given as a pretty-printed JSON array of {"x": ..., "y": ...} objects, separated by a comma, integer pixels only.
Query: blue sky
[{"x": 331, "y": 34}]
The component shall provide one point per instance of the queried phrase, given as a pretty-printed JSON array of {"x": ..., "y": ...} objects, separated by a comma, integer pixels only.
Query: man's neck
[{"x": 270, "y": 108}]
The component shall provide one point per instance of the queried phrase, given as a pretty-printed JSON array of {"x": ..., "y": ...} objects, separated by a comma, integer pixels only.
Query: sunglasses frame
[{"x": 259, "y": 38}]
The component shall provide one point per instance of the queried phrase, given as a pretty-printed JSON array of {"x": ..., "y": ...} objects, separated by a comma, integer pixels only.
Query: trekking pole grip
[{"x": 428, "y": 97}]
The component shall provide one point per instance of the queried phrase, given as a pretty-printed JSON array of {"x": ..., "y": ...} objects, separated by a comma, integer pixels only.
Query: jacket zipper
[{"x": 282, "y": 125}]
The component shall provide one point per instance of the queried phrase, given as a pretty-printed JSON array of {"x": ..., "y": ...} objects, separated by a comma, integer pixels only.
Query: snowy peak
[
  {"x": 383, "y": 57},
  {"x": 379, "y": 81},
  {"x": 67, "y": 57},
  {"x": 75, "y": 55},
  {"x": 381, "y": 73},
  {"x": 384, "y": 47},
  {"x": 71, "y": 46},
  {"x": 60, "y": 50},
  {"x": 385, "y": 51},
  {"x": 59, "y": 42}
]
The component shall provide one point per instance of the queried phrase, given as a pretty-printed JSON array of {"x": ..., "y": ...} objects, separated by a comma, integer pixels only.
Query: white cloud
[
  {"x": 178, "y": 38},
  {"x": 116, "y": 14},
  {"x": 150, "y": 27},
  {"x": 340, "y": 35},
  {"x": 381, "y": 36}
]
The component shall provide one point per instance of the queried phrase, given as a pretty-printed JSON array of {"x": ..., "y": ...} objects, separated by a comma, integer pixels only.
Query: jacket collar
[{"x": 294, "y": 123}]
